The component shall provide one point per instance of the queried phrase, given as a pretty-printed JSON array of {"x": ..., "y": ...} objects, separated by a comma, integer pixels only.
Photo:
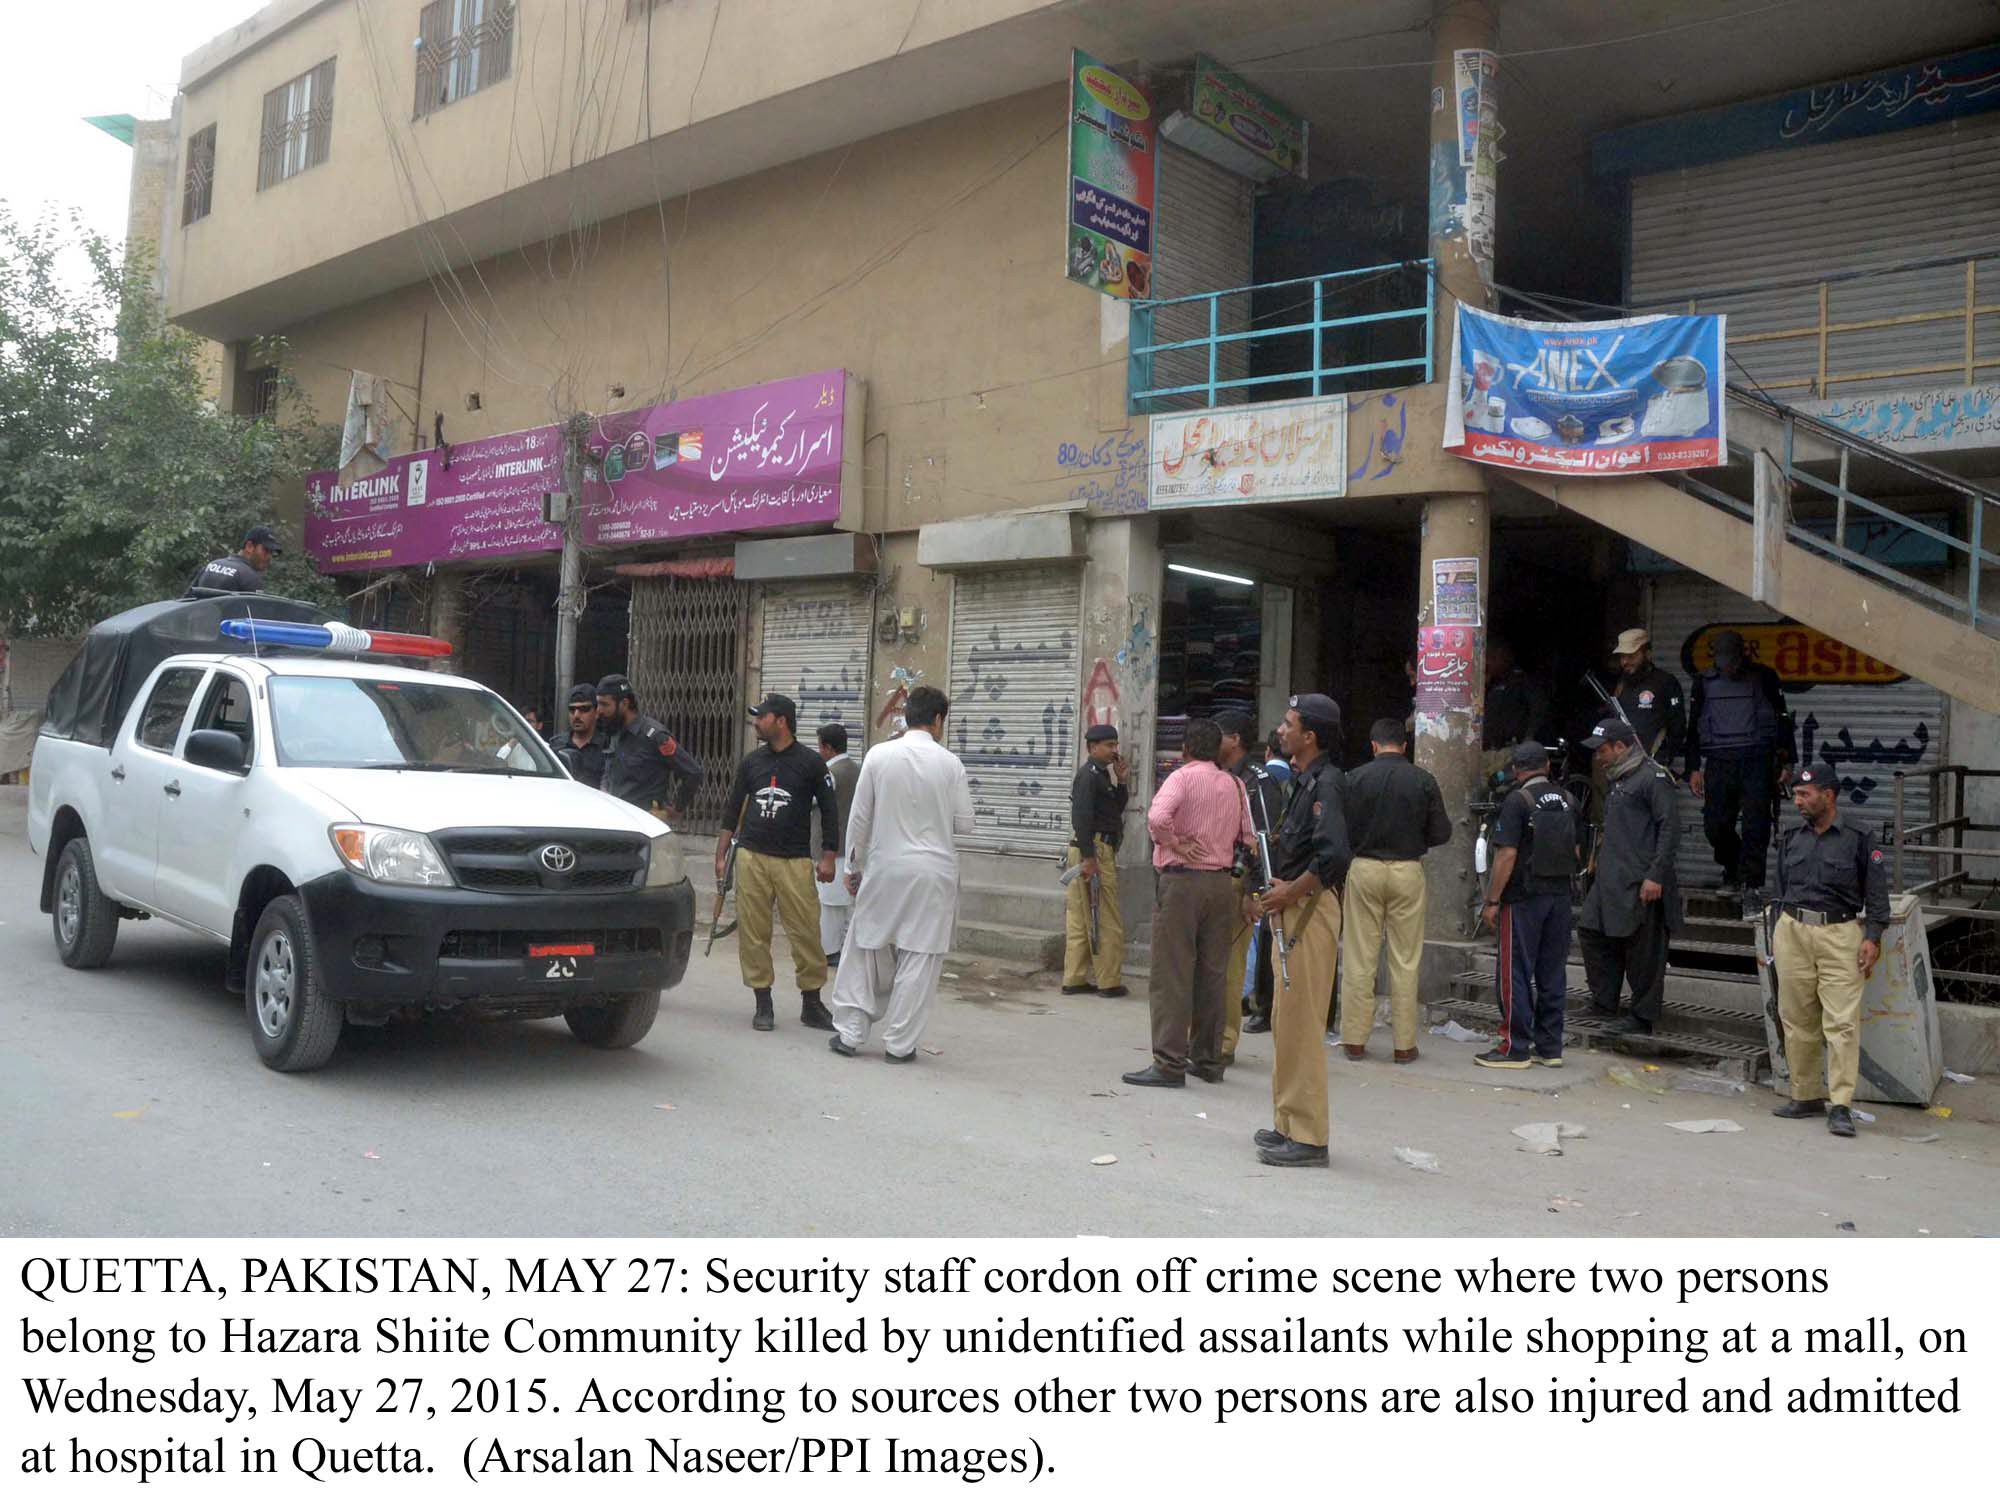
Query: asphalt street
[{"x": 132, "y": 1103}]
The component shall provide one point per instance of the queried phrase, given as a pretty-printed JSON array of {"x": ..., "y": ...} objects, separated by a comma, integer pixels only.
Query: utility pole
[{"x": 569, "y": 594}]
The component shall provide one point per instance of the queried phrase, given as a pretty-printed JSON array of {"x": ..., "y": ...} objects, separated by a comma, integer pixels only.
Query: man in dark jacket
[
  {"x": 1633, "y": 899},
  {"x": 1740, "y": 749},
  {"x": 1648, "y": 697},
  {"x": 1097, "y": 800},
  {"x": 582, "y": 749},
  {"x": 243, "y": 571},
  {"x": 642, "y": 758}
]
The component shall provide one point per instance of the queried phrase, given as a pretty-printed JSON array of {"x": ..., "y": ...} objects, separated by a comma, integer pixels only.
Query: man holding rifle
[
  {"x": 1241, "y": 757},
  {"x": 1648, "y": 698}
]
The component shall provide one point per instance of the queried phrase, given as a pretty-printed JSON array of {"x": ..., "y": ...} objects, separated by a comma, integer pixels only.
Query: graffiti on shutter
[{"x": 816, "y": 652}]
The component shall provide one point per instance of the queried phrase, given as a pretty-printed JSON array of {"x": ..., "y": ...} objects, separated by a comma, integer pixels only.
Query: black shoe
[
  {"x": 908, "y": 1057},
  {"x": 1079, "y": 989},
  {"x": 1206, "y": 1075},
  {"x": 1604, "y": 1012},
  {"x": 1292, "y": 1154},
  {"x": 833, "y": 962},
  {"x": 1150, "y": 1077},
  {"x": 1628, "y": 1026},
  {"x": 1252, "y": 1025},
  {"x": 839, "y": 1045},
  {"x": 1498, "y": 1059},
  {"x": 1116, "y": 992},
  {"x": 1840, "y": 1121},
  {"x": 762, "y": 1019},
  {"x": 813, "y": 1012},
  {"x": 1268, "y": 1138},
  {"x": 1799, "y": 1110}
]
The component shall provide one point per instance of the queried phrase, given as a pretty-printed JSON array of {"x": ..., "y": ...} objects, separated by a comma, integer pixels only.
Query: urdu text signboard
[
  {"x": 1259, "y": 453},
  {"x": 1112, "y": 142},
  {"x": 1592, "y": 398},
  {"x": 1238, "y": 109}
]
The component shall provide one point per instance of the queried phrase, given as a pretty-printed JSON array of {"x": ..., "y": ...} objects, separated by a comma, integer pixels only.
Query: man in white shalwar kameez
[{"x": 903, "y": 872}]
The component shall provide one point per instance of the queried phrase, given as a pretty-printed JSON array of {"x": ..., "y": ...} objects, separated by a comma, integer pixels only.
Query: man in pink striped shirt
[{"x": 1197, "y": 820}]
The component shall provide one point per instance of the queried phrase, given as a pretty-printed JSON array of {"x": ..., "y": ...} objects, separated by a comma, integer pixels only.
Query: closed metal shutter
[
  {"x": 1014, "y": 677},
  {"x": 1201, "y": 243},
  {"x": 816, "y": 652},
  {"x": 1866, "y": 733},
  {"x": 1815, "y": 211},
  {"x": 32, "y": 667}
]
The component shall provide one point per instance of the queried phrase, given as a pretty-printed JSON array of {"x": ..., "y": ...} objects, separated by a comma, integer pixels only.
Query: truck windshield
[{"x": 380, "y": 723}]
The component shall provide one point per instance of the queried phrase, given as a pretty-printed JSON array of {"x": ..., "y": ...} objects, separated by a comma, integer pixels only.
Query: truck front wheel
[
  {"x": 619, "y": 1022},
  {"x": 86, "y": 922},
  {"x": 295, "y": 1026}
]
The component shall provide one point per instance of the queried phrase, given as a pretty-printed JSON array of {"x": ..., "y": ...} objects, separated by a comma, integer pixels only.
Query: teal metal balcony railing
[{"x": 1304, "y": 337}]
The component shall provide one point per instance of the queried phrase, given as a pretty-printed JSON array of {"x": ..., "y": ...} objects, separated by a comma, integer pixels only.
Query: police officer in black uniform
[
  {"x": 582, "y": 749},
  {"x": 641, "y": 756},
  {"x": 1528, "y": 907},
  {"x": 1634, "y": 897},
  {"x": 1648, "y": 697},
  {"x": 1097, "y": 800},
  {"x": 243, "y": 571},
  {"x": 1740, "y": 749}
]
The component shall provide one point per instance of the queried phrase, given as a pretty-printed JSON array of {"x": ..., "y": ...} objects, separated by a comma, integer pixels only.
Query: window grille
[
  {"x": 198, "y": 185},
  {"x": 685, "y": 661},
  {"x": 298, "y": 126},
  {"x": 462, "y": 46}
]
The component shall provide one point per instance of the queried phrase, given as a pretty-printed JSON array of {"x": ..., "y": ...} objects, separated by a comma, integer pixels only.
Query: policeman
[
  {"x": 779, "y": 786},
  {"x": 1739, "y": 737},
  {"x": 1633, "y": 895},
  {"x": 582, "y": 752},
  {"x": 1649, "y": 697},
  {"x": 1311, "y": 856},
  {"x": 243, "y": 571},
  {"x": 1097, "y": 799},
  {"x": 1527, "y": 906},
  {"x": 1833, "y": 904},
  {"x": 640, "y": 755},
  {"x": 1516, "y": 704},
  {"x": 1240, "y": 755}
]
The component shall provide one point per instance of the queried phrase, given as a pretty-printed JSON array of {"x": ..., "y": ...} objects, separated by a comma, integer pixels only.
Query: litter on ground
[
  {"x": 1623, "y": 1076},
  {"x": 1545, "y": 1136},
  {"x": 1942, "y": 1112},
  {"x": 1451, "y": 1031},
  {"x": 1699, "y": 1128},
  {"x": 1423, "y": 1162},
  {"x": 1695, "y": 1082},
  {"x": 1960, "y": 1078},
  {"x": 1104, "y": 1159},
  {"x": 1918, "y": 1141}
]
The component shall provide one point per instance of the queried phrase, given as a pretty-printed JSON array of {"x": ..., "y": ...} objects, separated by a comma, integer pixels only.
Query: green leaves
[{"x": 118, "y": 476}]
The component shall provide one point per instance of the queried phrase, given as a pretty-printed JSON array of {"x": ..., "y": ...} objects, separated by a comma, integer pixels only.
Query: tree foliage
[{"x": 119, "y": 476}]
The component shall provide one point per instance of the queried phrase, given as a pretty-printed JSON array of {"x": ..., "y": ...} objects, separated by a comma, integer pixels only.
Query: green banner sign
[{"x": 1248, "y": 116}]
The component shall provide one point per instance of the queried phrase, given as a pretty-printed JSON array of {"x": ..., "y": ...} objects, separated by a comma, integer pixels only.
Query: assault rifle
[
  {"x": 715, "y": 927},
  {"x": 1280, "y": 948}
]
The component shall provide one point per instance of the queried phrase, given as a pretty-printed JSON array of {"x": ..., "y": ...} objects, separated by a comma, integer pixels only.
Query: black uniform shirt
[
  {"x": 642, "y": 758},
  {"x": 1642, "y": 834},
  {"x": 1394, "y": 810},
  {"x": 1096, "y": 807},
  {"x": 1838, "y": 871},
  {"x": 1784, "y": 740},
  {"x": 232, "y": 573},
  {"x": 1314, "y": 833},
  {"x": 1651, "y": 702},
  {"x": 781, "y": 791},
  {"x": 1514, "y": 827},
  {"x": 584, "y": 761}
]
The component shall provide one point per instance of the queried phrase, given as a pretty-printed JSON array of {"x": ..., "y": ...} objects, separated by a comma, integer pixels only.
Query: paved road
[{"x": 132, "y": 1103}]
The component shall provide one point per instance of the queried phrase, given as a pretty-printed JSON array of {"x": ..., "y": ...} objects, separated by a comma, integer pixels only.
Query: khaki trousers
[
  {"x": 1233, "y": 992},
  {"x": 1080, "y": 966},
  {"x": 1819, "y": 1002},
  {"x": 1191, "y": 925},
  {"x": 761, "y": 882},
  {"x": 1385, "y": 902},
  {"x": 1298, "y": 1020}
]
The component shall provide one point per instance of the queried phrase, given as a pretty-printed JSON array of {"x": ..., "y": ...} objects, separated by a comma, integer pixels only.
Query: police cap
[
  {"x": 1819, "y": 775},
  {"x": 1529, "y": 755},
  {"x": 583, "y": 694},
  {"x": 616, "y": 687},
  {"x": 265, "y": 535},
  {"x": 1610, "y": 731}
]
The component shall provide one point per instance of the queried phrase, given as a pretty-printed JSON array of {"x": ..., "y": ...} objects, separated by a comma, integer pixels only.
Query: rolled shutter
[{"x": 815, "y": 651}]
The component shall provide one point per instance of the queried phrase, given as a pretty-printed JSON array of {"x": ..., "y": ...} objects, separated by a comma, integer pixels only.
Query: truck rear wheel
[
  {"x": 85, "y": 920},
  {"x": 619, "y": 1022},
  {"x": 295, "y": 1026}
]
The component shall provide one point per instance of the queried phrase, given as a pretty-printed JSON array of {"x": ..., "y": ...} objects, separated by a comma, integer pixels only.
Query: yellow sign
[{"x": 1802, "y": 656}]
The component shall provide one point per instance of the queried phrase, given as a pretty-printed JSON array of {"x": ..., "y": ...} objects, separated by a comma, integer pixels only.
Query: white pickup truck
[{"x": 367, "y": 841}]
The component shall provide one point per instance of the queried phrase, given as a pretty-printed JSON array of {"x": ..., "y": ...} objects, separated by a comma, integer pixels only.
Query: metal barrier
[
  {"x": 1954, "y": 881},
  {"x": 1215, "y": 345}
]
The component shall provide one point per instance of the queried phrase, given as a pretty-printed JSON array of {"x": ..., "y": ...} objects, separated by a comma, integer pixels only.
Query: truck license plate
[{"x": 560, "y": 960}]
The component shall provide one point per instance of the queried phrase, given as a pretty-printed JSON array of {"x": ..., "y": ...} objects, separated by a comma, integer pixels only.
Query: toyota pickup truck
[{"x": 368, "y": 842}]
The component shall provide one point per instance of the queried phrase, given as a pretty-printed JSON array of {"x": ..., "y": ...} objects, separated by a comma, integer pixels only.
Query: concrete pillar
[
  {"x": 1455, "y": 526},
  {"x": 447, "y": 616},
  {"x": 1121, "y": 644}
]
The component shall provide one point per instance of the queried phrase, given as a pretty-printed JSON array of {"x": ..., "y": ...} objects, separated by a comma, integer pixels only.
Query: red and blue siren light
[{"x": 337, "y": 637}]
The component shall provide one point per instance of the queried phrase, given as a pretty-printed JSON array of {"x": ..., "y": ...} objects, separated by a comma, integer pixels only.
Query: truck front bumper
[{"x": 385, "y": 948}]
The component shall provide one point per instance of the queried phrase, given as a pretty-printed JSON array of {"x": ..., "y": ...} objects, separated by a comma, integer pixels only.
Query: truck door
[
  {"x": 199, "y": 827},
  {"x": 143, "y": 769}
]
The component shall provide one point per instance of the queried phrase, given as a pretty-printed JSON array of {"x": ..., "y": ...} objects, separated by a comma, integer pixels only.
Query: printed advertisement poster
[
  {"x": 750, "y": 458},
  {"x": 1605, "y": 397},
  {"x": 1455, "y": 591},
  {"x": 1111, "y": 154},
  {"x": 1248, "y": 116},
  {"x": 1444, "y": 670},
  {"x": 466, "y": 502},
  {"x": 1254, "y": 454},
  {"x": 1466, "y": 76}
]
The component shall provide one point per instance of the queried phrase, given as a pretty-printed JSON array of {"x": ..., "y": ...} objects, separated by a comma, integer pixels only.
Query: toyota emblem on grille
[{"x": 558, "y": 858}]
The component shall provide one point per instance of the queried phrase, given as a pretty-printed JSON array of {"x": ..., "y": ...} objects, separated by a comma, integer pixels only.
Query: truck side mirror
[{"x": 213, "y": 749}]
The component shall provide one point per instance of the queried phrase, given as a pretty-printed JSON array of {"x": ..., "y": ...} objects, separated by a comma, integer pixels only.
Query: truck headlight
[
  {"x": 390, "y": 854},
  {"x": 664, "y": 865}
]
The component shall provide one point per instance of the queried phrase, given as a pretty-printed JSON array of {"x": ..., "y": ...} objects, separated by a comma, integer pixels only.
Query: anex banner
[{"x": 1611, "y": 396}]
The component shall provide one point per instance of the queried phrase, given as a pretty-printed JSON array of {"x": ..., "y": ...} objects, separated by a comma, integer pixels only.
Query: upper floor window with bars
[
  {"x": 462, "y": 46},
  {"x": 198, "y": 183},
  {"x": 298, "y": 126}
]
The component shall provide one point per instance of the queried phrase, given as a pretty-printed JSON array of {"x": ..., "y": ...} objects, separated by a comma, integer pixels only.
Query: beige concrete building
[{"x": 511, "y": 213}]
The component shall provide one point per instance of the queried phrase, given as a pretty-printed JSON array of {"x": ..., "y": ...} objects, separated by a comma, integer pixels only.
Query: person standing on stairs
[
  {"x": 1740, "y": 752},
  {"x": 1633, "y": 901}
]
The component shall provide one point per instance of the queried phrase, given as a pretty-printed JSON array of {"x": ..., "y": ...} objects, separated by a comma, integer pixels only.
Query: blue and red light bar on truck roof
[{"x": 338, "y": 637}]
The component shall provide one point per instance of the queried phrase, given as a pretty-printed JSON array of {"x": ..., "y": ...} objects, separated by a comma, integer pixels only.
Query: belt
[
  {"x": 1189, "y": 869},
  {"x": 1819, "y": 918}
]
